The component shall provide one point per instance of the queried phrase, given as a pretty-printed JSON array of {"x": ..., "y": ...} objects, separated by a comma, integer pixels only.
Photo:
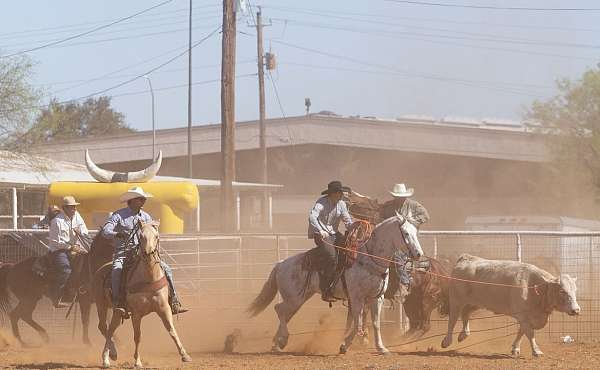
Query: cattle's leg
[
  {"x": 376, "y": 318},
  {"x": 355, "y": 312},
  {"x": 466, "y": 331},
  {"x": 455, "y": 310},
  {"x": 285, "y": 311},
  {"x": 530, "y": 333},
  {"x": 516, "y": 346}
]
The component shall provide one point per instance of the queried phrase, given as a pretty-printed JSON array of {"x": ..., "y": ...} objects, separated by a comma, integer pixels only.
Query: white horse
[{"x": 366, "y": 281}]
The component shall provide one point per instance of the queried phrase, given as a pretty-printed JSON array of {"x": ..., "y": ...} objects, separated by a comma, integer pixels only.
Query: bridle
[
  {"x": 373, "y": 237},
  {"x": 154, "y": 254}
]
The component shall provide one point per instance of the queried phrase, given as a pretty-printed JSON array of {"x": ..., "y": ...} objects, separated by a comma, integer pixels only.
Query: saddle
[{"x": 42, "y": 265}]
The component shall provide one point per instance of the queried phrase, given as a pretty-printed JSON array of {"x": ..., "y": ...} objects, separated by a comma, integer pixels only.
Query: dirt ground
[{"x": 316, "y": 351}]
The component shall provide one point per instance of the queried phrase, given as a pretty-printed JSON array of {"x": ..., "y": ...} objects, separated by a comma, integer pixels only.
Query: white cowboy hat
[
  {"x": 69, "y": 200},
  {"x": 133, "y": 193},
  {"x": 399, "y": 190}
]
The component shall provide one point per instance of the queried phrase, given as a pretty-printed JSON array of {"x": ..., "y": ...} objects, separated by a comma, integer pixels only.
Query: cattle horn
[{"x": 103, "y": 175}]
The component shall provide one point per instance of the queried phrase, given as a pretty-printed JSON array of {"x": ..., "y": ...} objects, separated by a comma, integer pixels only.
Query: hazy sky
[{"x": 371, "y": 58}]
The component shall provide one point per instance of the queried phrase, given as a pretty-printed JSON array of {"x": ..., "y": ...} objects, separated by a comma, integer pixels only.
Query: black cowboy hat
[{"x": 336, "y": 187}]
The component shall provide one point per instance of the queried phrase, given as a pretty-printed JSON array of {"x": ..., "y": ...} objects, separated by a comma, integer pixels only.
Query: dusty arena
[{"x": 220, "y": 276}]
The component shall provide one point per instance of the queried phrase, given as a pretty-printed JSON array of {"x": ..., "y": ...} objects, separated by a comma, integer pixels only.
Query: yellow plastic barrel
[{"x": 170, "y": 204}]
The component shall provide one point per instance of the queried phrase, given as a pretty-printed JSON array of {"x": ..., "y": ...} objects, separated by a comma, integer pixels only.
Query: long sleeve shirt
[
  {"x": 414, "y": 212},
  {"x": 123, "y": 220},
  {"x": 326, "y": 216},
  {"x": 62, "y": 233}
]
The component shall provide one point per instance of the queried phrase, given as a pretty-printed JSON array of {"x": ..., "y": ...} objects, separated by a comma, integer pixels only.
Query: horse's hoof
[
  {"x": 139, "y": 365},
  {"x": 462, "y": 336},
  {"x": 386, "y": 353},
  {"x": 113, "y": 355},
  {"x": 276, "y": 349},
  {"x": 516, "y": 352},
  {"x": 186, "y": 358},
  {"x": 343, "y": 349},
  {"x": 446, "y": 342},
  {"x": 105, "y": 365},
  {"x": 538, "y": 353}
]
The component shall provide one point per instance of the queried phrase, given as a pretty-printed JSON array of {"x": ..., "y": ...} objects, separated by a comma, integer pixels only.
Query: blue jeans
[
  {"x": 401, "y": 260},
  {"x": 117, "y": 271},
  {"x": 62, "y": 271}
]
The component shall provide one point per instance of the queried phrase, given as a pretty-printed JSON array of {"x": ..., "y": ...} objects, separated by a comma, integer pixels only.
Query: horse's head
[
  {"x": 403, "y": 235},
  {"x": 148, "y": 239}
]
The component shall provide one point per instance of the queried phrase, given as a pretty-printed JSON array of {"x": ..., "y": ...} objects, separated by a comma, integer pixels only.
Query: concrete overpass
[{"x": 445, "y": 137}]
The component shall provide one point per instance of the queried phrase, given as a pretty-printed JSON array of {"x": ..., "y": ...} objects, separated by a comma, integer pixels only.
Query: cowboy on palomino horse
[
  {"x": 65, "y": 234},
  {"x": 323, "y": 223},
  {"x": 121, "y": 228},
  {"x": 417, "y": 215}
]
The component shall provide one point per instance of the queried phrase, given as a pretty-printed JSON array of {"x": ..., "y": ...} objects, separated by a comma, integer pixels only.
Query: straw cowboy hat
[
  {"x": 335, "y": 187},
  {"x": 400, "y": 191},
  {"x": 69, "y": 200},
  {"x": 133, "y": 193}
]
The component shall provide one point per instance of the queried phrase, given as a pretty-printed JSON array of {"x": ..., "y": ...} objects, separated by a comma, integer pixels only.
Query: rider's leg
[
  {"x": 401, "y": 261},
  {"x": 175, "y": 303},
  {"x": 329, "y": 266},
  {"x": 117, "y": 272},
  {"x": 62, "y": 267}
]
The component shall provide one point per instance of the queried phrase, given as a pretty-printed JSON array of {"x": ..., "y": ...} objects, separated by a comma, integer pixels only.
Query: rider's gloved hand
[
  {"x": 121, "y": 234},
  {"x": 324, "y": 234}
]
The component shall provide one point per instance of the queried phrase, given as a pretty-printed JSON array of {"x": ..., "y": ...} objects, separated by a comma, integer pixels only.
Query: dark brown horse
[
  {"x": 28, "y": 288},
  {"x": 428, "y": 291}
]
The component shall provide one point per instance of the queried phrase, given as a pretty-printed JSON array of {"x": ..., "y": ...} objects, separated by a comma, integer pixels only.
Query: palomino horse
[
  {"x": 365, "y": 280},
  {"x": 146, "y": 291},
  {"x": 28, "y": 288}
]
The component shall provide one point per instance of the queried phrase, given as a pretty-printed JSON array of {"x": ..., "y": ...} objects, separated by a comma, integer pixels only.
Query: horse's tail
[
  {"x": 4, "y": 294},
  {"x": 267, "y": 294}
]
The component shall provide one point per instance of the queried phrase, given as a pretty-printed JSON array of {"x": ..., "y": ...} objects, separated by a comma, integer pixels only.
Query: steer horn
[{"x": 102, "y": 175}]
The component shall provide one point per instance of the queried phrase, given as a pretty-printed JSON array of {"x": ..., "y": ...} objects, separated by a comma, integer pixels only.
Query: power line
[
  {"x": 87, "y": 32},
  {"x": 148, "y": 71},
  {"x": 337, "y": 13},
  {"x": 490, "y": 7},
  {"x": 484, "y": 38},
  {"x": 78, "y": 25},
  {"x": 277, "y": 95},
  {"x": 116, "y": 30},
  {"x": 464, "y": 82},
  {"x": 243, "y": 61},
  {"x": 205, "y": 82}
]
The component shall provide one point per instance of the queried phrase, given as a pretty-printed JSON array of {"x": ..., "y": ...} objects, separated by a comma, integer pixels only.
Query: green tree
[
  {"x": 19, "y": 100},
  {"x": 63, "y": 121},
  {"x": 571, "y": 123}
]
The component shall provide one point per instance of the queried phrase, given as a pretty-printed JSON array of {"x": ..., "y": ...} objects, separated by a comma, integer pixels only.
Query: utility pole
[
  {"x": 228, "y": 201},
  {"x": 189, "y": 128},
  {"x": 261, "y": 109}
]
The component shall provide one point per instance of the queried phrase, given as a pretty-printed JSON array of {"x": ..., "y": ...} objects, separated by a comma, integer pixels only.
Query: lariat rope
[{"x": 534, "y": 287}]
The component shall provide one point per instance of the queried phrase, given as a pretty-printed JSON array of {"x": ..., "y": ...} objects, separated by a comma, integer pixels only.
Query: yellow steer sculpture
[{"x": 171, "y": 203}]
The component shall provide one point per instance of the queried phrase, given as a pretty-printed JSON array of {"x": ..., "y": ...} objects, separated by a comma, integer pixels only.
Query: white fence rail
[{"x": 227, "y": 271}]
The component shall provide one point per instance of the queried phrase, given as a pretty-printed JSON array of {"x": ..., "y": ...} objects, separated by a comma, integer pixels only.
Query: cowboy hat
[
  {"x": 69, "y": 200},
  {"x": 399, "y": 190},
  {"x": 335, "y": 187},
  {"x": 135, "y": 192}
]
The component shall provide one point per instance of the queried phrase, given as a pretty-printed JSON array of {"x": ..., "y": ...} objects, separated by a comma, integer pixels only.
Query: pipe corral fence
[{"x": 225, "y": 272}]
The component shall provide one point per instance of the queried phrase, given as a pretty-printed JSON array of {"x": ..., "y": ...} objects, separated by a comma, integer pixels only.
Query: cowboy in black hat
[{"x": 323, "y": 223}]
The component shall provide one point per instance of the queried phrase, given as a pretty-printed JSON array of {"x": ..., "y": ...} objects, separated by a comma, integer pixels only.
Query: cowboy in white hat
[
  {"x": 118, "y": 228},
  {"x": 66, "y": 229},
  {"x": 323, "y": 223},
  {"x": 416, "y": 214}
]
